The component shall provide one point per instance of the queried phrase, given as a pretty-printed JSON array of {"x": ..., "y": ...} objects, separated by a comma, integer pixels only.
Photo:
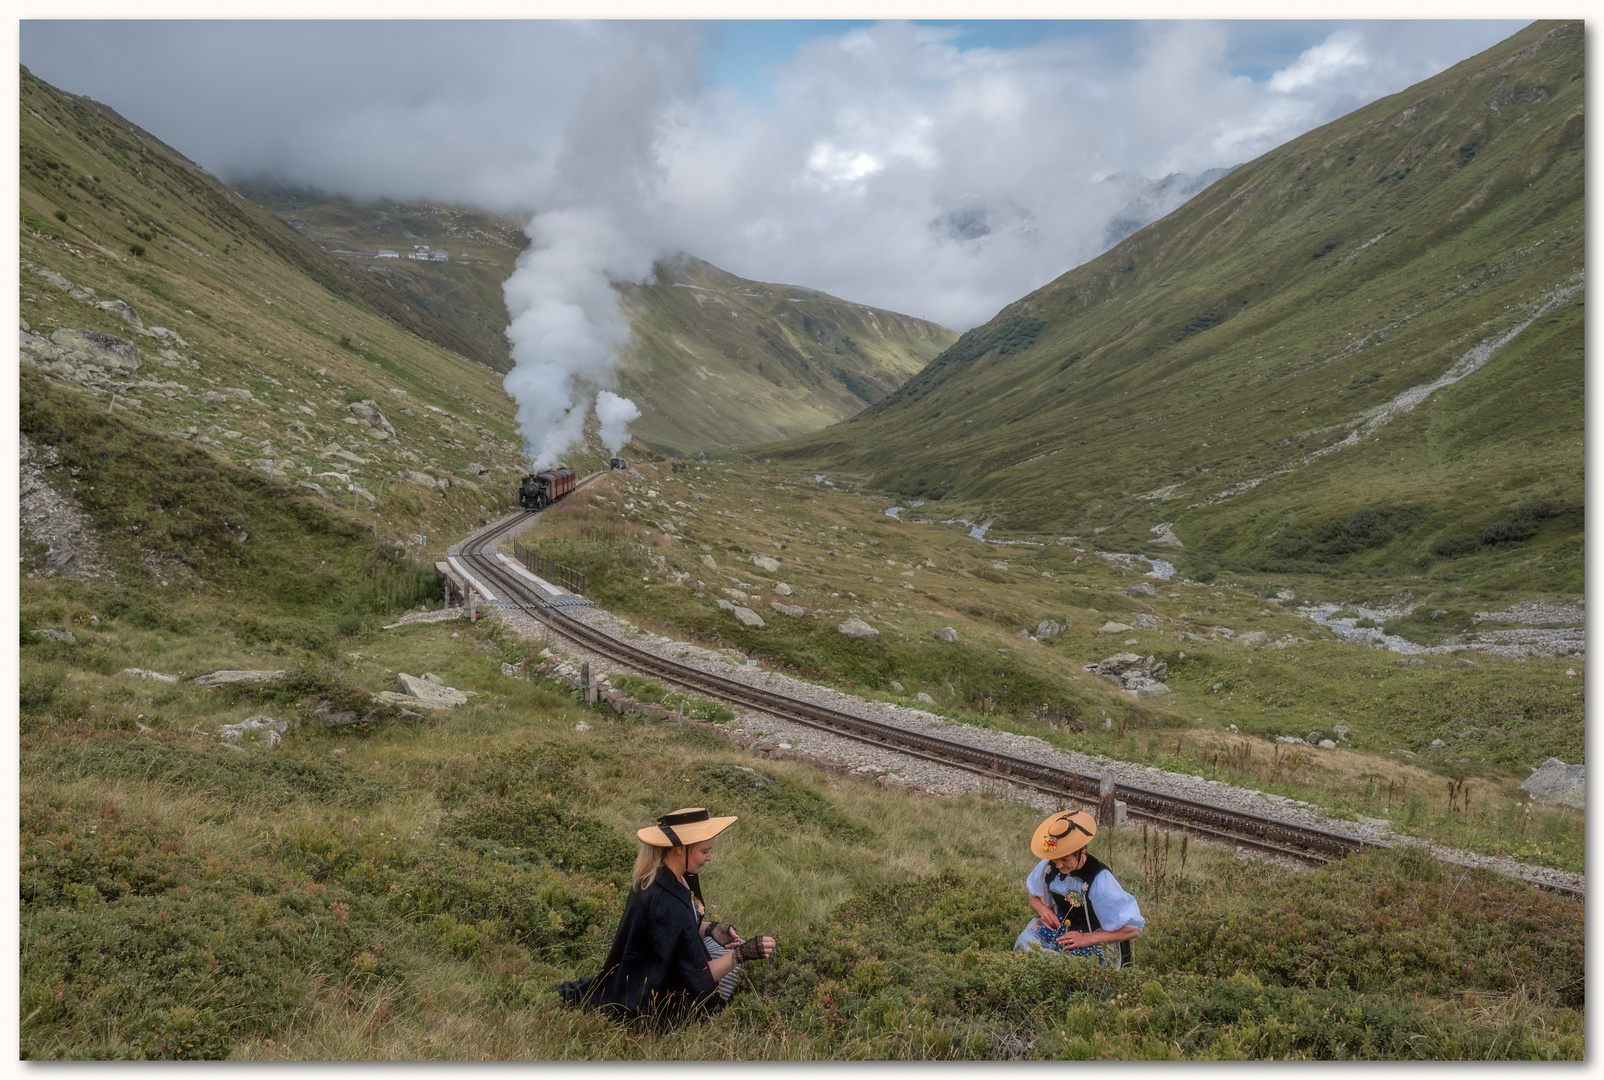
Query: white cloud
[
  {"x": 888, "y": 165},
  {"x": 1337, "y": 54}
]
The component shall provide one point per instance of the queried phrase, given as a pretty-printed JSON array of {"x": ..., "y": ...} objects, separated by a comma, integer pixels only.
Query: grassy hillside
[
  {"x": 248, "y": 342},
  {"x": 715, "y": 361},
  {"x": 719, "y": 361},
  {"x": 464, "y": 293},
  {"x": 1361, "y": 353},
  {"x": 417, "y": 888}
]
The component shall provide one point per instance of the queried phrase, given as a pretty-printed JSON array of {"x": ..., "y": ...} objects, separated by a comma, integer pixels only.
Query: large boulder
[
  {"x": 857, "y": 628},
  {"x": 1558, "y": 783},
  {"x": 747, "y": 617},
  {"x": 120, "y": 309},
  {"x": 1048, "y": 629},
  {"x": 1144, "y": 622},
  {"x": 947, "y": 633},
  {"x": 765, "y": 563},
  {"x": 430, "y": 691},
  {"x": 793, "y": 610},
  {"x": 103, "y": 350},
  {"x": 1130, "y": 672},
  {"x": 707, "y": 561},
  {"x": 1141, "y": 588},
  {"x": 231, "y": 676}
]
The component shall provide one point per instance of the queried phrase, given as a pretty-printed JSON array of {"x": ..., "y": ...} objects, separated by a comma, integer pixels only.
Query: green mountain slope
[
  {"x": 242, "y": 338},
  {"x": 1362, "y": 350},
  {"x": 717, "y": 360},
  {"x": 463, "y": 292}
]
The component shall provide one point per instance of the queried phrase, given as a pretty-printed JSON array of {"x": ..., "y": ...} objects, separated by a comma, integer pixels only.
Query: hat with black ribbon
[
  {"x": 1063, "y": 834},
  {"x": 689, "y": 826}
]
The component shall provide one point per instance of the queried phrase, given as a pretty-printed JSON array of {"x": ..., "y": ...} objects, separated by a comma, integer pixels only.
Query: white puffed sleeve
[
  {"x": 1115, "y": 907},
  {"x": 1034, "y": 880}
]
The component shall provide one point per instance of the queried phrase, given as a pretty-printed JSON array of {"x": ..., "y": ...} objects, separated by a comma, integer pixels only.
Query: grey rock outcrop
[
  {"x": 796, "y": 611},
  {"x": 1559, "y": 784},
  {"x": 924, "y": 699},
  {"x": 1141, "y": 588},
  {"x": 1048, "y": 629},
  {"x": 426, "y": 691},
  {"x": 747, "y": 617},
  {"x": 783, "y": 589},
  {"x": 65, "y": 636},
  {"x": 262, "y": 730},
  {"x": 765, "y": 563},
  {"x": 141, "y": 673},
  {"x": 858, "y": 629},
  {"x": 1112, "y": 627},
  {"x": 231, "y": 676},
  {"x": 120, "y": 309},
  {"x": 1144, "y": 622},
  {"x": 1143, "y": 678},
  {"x": 947, "y": 633},
  {"x": 1252, "y": 637}
]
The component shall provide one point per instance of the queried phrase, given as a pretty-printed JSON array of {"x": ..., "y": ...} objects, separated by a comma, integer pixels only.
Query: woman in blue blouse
[{"x": 1079, "y": 905}]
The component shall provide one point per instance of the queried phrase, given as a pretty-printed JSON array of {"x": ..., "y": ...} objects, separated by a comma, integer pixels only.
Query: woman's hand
[
  {"x": 1075, "y": 939},
  {"x": 724, "y": 934},
  {"x": 758, "y": 948},
  {"x": 1049, "y": 919}
]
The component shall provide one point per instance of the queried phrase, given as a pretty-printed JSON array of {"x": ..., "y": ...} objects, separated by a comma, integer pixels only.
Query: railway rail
[{"x": 476, "y": 556}]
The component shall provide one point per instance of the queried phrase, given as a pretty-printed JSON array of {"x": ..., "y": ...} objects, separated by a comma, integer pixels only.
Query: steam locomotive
[
  {"x": 539, "y": 490},
  {"x": 618, "y": 463}
]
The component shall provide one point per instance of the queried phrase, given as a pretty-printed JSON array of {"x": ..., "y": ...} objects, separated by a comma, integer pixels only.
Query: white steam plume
[
  {"x": 600, "y": 227},
  {"x": 615, "y": 414}
]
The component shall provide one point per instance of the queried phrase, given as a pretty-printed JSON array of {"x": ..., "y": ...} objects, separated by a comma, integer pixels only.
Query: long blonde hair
[{"x": 646, "y": 864}]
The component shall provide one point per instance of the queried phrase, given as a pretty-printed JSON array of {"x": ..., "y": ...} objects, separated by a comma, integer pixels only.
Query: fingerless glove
[{"x": 750, "y": 949}]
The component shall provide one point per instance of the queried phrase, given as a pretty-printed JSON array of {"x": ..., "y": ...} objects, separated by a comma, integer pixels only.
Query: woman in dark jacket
[{"x": 667, "y": 961}]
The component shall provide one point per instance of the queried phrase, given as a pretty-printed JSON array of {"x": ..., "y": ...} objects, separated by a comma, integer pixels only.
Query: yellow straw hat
[
  {"x": 691, "y": 825},
  {"x": 1063, "y": 834}
]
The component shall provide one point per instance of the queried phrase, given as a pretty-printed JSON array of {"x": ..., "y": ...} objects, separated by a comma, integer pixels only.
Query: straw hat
[
  {"x": 1063, "y": 834},
  {"x": 683, "y": 827}
]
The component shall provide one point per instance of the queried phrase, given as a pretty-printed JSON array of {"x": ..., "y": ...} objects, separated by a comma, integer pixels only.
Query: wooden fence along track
[{"x": 1167, "y": 812}]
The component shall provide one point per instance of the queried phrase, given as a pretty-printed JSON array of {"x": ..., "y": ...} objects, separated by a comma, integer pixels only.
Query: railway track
[{"x": 476, "y": 556}]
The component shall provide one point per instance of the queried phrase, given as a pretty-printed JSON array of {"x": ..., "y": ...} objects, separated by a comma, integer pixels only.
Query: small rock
[
  {"x": 57, "y": 635},
  {"x": 1141, "y": 588},
  {"x": 1144, "y": 622},
  {"x": 783, "y": 589},
  {"x": 896, "y": 687},
  {"x": 707, "y": 561},
  {"x": 793, "y": 610},
  {"x": 581, "y": 726},
  {"x": 747, "y": 617},
  {"x": 264, "y": 729},
  {"x": 1050, "y": 628},
  {"x": 429, "y": 692},
  {"x": 1283, "y": 738},
  {"x": 765, "y": 563},
  {"x": 924, "y": 698},
  {"x": 1465, "y": 663},
  {"x": 947, "y": 633},
  {"x": 1252, "y": 637},
  {"x": 1437, "y": 744},
  {"x": 862, "y": 631},
  {"x": 1439, "y": 613},
  {"x": 1112, "y": 627},
  {"x": 1340, "y": 732},
  {"x": 1327, "y": 744},
  {"x": 141, "y": 673}
]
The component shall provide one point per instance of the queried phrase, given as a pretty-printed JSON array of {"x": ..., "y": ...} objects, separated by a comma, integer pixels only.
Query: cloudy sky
[{"x": 939, "y": 169}]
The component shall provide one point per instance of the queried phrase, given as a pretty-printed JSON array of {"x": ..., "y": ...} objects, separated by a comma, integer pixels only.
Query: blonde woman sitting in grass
[
  {"x": 667, "y": 961},
  {"x": 1079, "y": 905}
]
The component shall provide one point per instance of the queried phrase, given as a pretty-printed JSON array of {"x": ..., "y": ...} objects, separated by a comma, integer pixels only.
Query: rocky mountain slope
[{"x": 1362, "y": 350}]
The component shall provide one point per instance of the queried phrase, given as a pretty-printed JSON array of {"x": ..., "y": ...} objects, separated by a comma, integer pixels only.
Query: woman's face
[
  {"x": 698, "y": 856},
  {"x": 1070, "y": 863}
]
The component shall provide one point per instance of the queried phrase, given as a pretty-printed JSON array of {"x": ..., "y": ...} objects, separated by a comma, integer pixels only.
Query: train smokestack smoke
[
  {"x": 615, "y": 414},
  {"x": 603, "y": 224}
]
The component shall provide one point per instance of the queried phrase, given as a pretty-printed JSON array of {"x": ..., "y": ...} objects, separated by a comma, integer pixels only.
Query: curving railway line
[{"x": 475, "y": 557}]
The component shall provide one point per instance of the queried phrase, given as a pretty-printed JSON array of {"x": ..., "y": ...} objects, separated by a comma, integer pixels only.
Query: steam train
[
  {"x": 539, "y": 490},
  {"x": 618, "y": 463}
]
